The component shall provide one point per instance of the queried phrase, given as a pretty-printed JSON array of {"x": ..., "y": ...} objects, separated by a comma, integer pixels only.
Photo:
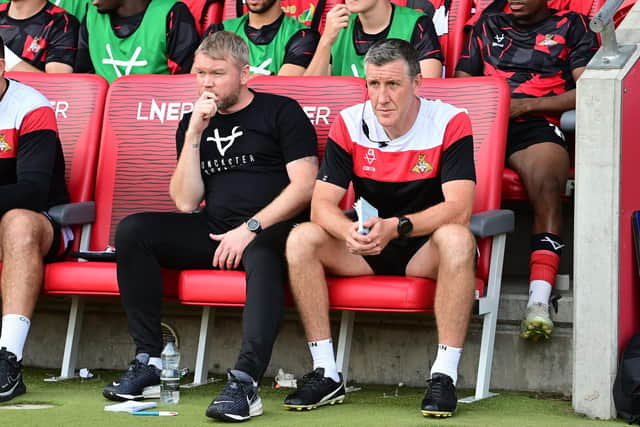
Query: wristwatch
[
  {"x": 405, "y": 226},
  {"x": 253, "y": 224}
]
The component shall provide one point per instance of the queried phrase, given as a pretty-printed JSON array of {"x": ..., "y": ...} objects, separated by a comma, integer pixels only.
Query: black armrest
[
  {"x": 493, "y": 222},
  {"x": 73, "y": 213}
]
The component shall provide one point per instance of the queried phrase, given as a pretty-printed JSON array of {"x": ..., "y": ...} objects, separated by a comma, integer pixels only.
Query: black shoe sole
[
  {"x": 335, "y": 400},
  {"x": 19, "y": 389}
]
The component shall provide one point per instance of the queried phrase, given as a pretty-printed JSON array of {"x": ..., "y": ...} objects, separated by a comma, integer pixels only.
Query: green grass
[{"x": 80, "y": 403}]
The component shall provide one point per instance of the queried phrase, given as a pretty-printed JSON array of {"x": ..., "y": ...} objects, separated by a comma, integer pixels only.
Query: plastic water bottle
[{"x": 170, "y": 375}]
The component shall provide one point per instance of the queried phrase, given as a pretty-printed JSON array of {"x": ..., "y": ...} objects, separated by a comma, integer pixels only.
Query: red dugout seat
[
  {"x": 136, "y": 160},
  {"x": 205, "y": 12},
  {"x": 487, "y": 101},
  {"x": 317, "y": 96},
  {"x": 78, "y": 101}
]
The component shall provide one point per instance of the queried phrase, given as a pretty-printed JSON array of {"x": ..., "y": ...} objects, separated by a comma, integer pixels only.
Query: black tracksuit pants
[{"x": 147, "y": 242}]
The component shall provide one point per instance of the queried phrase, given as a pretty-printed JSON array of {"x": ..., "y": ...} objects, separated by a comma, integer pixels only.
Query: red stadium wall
[{"x": 629, "y": 289}]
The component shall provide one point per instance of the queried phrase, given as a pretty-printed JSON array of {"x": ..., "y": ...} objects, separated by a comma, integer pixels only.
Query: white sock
[
  {"x": 322, "y": 354},
  {"x": 539, "y": 291},
  {"x": 15, "y": 329},
  {"x": 447, "y": 361},
  {"x": 155, "y": 361}
]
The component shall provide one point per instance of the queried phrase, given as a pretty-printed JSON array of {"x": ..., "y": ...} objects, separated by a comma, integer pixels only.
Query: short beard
[
  {"x": 262, "y": 9},
  {"x": 228, "y": 101}
]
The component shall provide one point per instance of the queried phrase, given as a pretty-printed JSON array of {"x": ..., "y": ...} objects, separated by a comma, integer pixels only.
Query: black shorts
[
  {"x": 530, "y": 131},
  {"x": 62, "y": 239},
  {"x": 393, "y": 259}
]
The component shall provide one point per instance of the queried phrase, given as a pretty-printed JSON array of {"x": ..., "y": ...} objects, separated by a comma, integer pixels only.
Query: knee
[
  {"x": 546, "y": 184},
  {"x": 303, "y": 242},
  {"x": 20, "y": 229},
  {"x": 456, "y": 244}
]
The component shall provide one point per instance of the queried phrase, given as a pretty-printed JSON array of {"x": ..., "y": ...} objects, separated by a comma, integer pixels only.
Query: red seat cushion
[
  {"x": 512, "y": 188},
  {"x": 94, "y": 278},
  {"x": 212, "y": 287},
  {"x": 383, "y": 293}
]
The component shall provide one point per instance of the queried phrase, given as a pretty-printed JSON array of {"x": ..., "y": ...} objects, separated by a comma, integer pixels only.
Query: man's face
[
  {"x": 221, "y": 77},
  {"x": 392, "y": 93},
  {"x": 359, "y": 6},
  {"x": 261, "y": 6},
  {"x": 526, "y": 10},
  {"x": 107, "y": 6}
]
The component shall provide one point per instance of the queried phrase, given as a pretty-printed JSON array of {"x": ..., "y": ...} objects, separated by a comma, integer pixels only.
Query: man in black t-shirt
[
  {"x": 541, "y": 52},
  {"x": 163, "y": 33},
  {"x": 31, "y": 181},
  {"x": 252, "y": 158},
  {"x": 278, "y": 44},
  {"x": 412, "y": 159},
  {"x": 38, "y": 36},
  {"x": 353, "y": 27}
]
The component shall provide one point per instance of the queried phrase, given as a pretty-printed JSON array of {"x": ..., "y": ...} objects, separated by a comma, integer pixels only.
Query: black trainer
[
  {"x": 11, "y": 384},
  {"x": 238, "y": 400},
  {"x": 131, "y": 385},
  {"x": 440, "y": 398},
  {"x": 314, "y": 389}
]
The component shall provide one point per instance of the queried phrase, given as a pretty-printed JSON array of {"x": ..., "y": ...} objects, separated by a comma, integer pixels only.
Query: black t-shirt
[
  {"x": 243, "y": 156},
  {"x": 50, "y": 35},
  {"x": 300, "y": 47},
  {"x": 182, "y": 38}
]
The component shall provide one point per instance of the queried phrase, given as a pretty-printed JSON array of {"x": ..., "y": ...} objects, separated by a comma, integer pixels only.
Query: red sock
[{"x": 544, "y": 266}]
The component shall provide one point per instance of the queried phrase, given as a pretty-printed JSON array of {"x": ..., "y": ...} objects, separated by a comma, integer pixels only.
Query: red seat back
[
  {"x": 78, "y": 101},
  {"x": 322, "y": 98},
  {"x": 205, "y": 12},
  {"x": 138, "y": 150},
  {"x": 301, "y": 10},
  {"x": 487, "y": 102}
]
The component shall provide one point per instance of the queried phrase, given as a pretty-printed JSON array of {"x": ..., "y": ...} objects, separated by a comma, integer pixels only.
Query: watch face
[
  {"x": 404, "y": 226},
  {"x": 253, "y": 224}
]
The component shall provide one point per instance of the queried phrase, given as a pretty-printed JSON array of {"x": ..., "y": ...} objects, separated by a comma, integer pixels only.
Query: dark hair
[
  {"x": 1, "y": 48},
  {"x": 387, "y": 50}
]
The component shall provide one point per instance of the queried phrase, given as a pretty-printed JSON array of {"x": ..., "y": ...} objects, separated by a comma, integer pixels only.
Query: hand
[
  {"x": 381, "y": 231},
  {"x": 337, "y": 19},
  {"x": 520, "y": 106},
  {"x": 229, "y": 252},
  {"x": 204, "y": 108}
]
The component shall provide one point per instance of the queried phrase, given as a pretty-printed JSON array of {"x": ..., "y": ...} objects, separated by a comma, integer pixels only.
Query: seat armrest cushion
[
  {"x": 493, "y": 222},
  {"x": 568, "y": 121},
  {"x": 73, "y": 213}
]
